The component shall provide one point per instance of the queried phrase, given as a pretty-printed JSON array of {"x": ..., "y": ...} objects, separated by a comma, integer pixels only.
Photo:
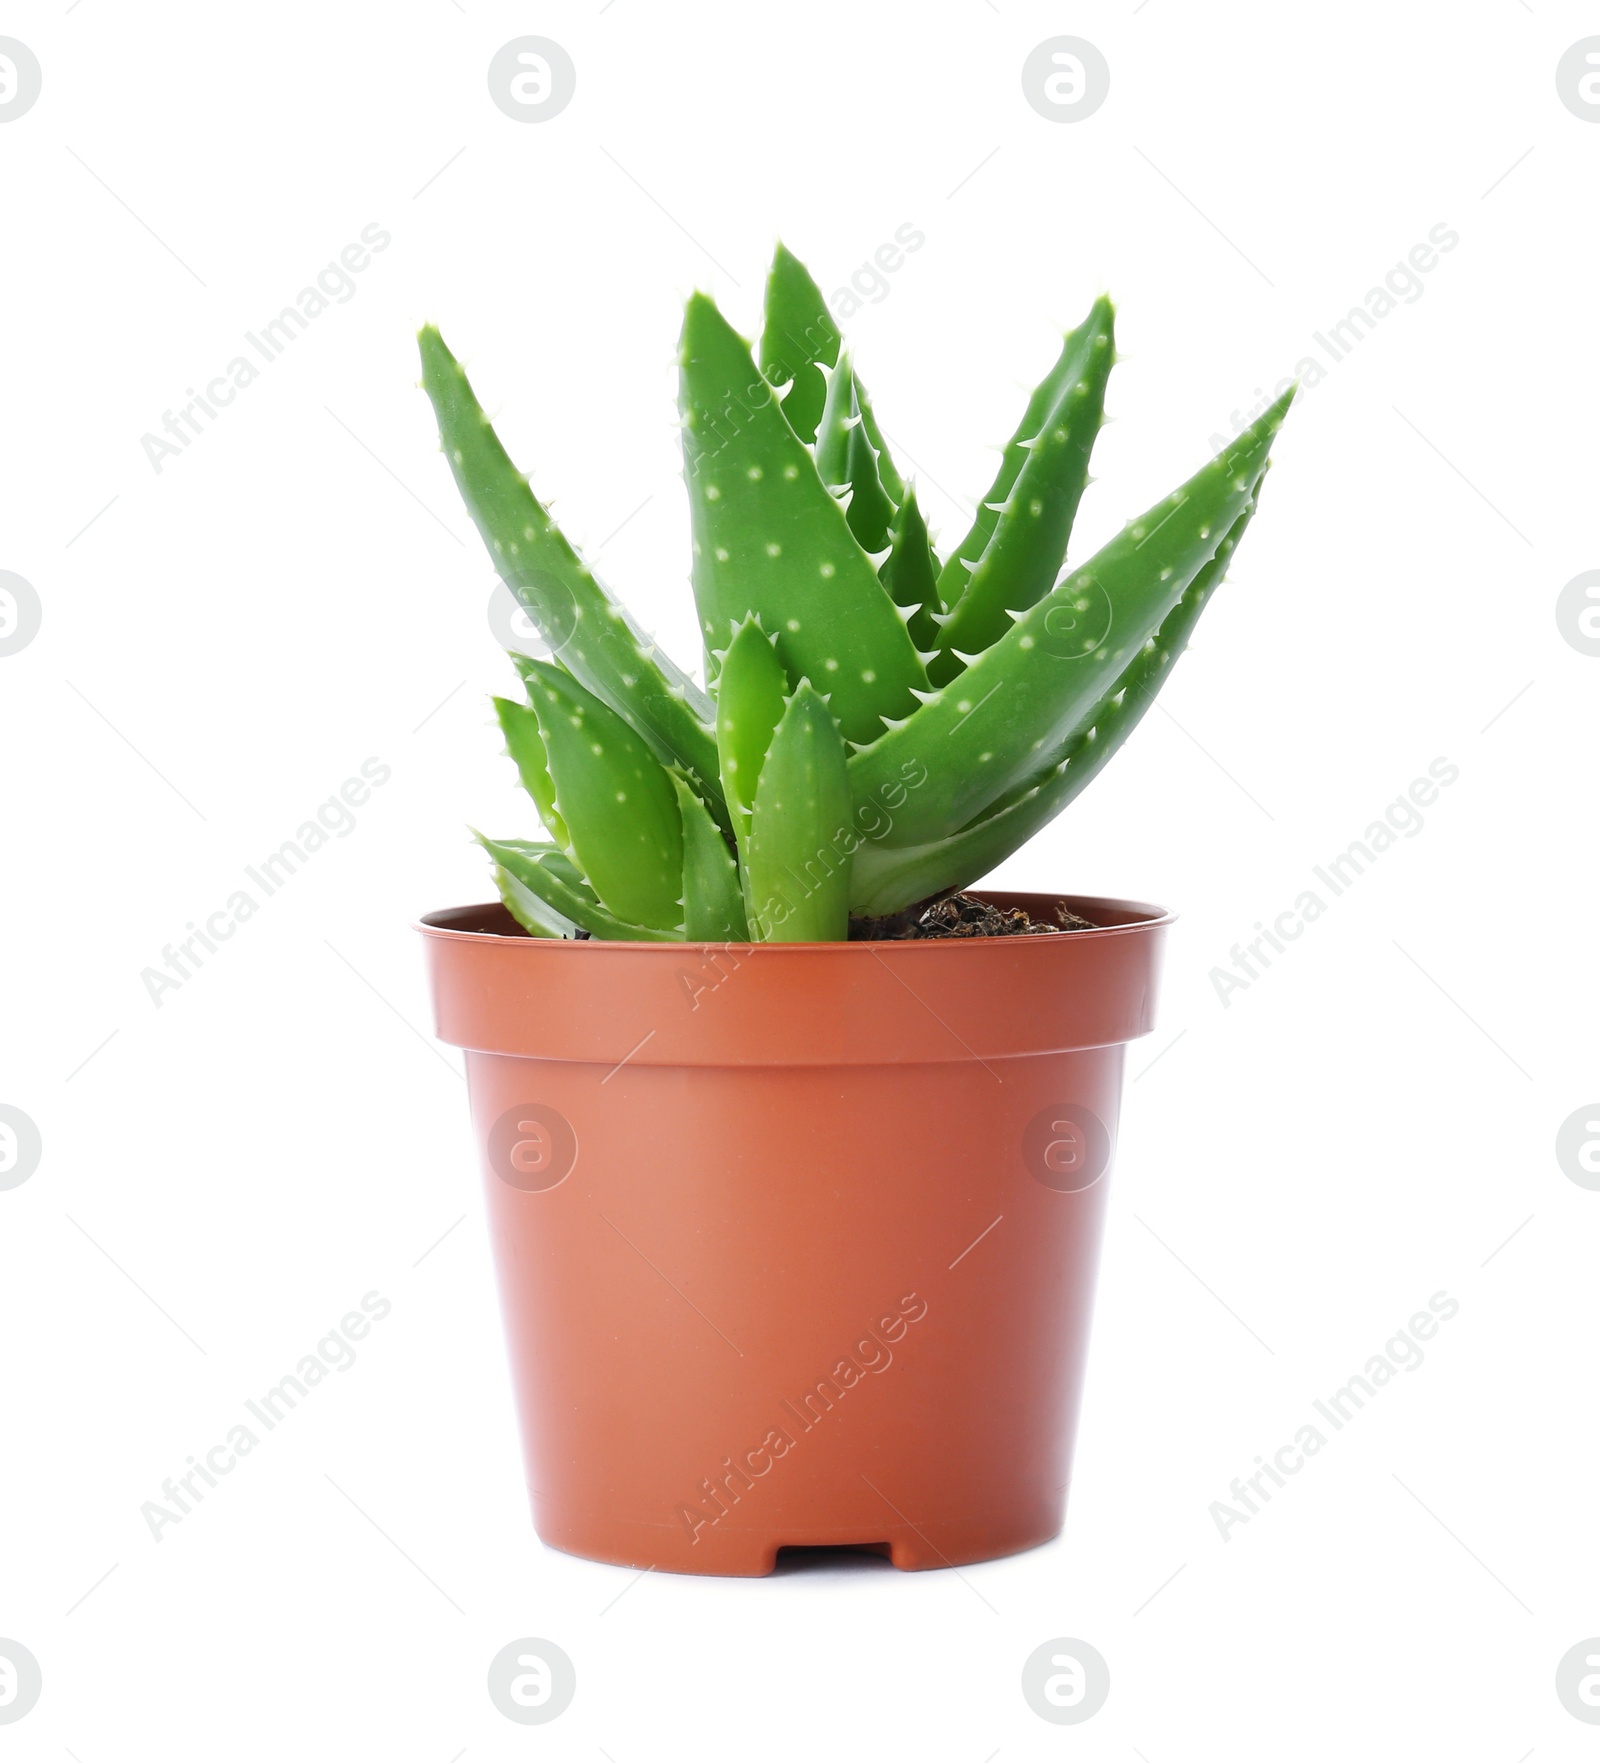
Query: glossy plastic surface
[{"x": 796, "y": 1244}]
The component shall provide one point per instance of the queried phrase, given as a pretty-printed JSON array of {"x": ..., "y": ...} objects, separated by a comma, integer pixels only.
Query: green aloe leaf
[
  {"x": 751, "y": 690},
  {"x": 615, "y": 798},
  {"x": 520, "y": 725},
  {"x": 1158, "y": 654},
  {"x": 847, "y": 410},
  {"x": 586, "y": 629},
  {"x": 1033, "y": 525},
  {"x": 529, "y": 907},
  {"x": 987, "y": 729},
  {"x": 910, "y": 573},
  {"x": 801, "y": 836},
  {"x": 886, "y": 880},
  {"x": 797, "y": 333},
  {"x": 770, "y": 539},
  {"x": 893, "y": 484},
  {"x": 1045, "y": 399},
  {"x": 713, "y": 906},
  {"x": 847, "y": 461},
  {"x": 545, "y": 892}
]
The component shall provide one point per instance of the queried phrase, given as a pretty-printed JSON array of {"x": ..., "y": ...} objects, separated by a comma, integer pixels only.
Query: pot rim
[
  {"x": 796, "y": 1004},
  {"x": 1132, "y": 915}
]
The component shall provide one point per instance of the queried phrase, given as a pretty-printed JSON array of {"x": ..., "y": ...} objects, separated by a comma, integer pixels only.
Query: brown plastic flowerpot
[{"x": 796, "y": 1243}]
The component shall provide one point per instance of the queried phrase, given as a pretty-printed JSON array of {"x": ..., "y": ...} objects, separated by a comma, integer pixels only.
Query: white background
[{"x": 225, "y": 641}]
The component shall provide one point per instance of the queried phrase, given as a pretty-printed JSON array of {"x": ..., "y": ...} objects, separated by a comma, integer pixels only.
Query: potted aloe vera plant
[{"x": 795, "y": 1152}]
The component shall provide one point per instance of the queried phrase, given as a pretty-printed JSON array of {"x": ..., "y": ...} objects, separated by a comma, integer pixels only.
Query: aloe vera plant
[{"x": 881, "y": 725}]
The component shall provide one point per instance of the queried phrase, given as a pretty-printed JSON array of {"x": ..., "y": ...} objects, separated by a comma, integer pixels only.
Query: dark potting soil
[
  {"x": 959, "y": 915},
  {"x": 965, "y": 915}
]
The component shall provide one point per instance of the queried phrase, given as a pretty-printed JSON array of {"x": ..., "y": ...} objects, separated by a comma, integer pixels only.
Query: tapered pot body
[{"x": 796, "y": 1244}]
